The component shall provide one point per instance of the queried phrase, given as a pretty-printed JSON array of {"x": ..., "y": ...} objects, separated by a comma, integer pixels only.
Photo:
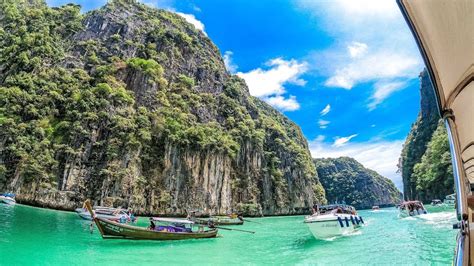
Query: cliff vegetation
[{"x": 132, "y": 106}]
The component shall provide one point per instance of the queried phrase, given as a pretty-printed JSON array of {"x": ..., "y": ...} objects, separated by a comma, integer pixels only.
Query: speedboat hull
[
  {"x": 7, "y": 200},
  {"x": 329, "y": 226},
  {"x": 405, "y": 213},
  {"x": 87, "y": 216},
  {"x": 105, "y": 213}
]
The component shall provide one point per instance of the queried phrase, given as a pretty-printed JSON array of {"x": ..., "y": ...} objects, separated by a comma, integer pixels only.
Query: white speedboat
[
  {"x": 7, "y": 198},
  {"x": 411, "y": 208},
  {"x": 108, "y": 213},
  {"x": 333, "y": 220},
  {"x": 436, "y": 202},
  {"x": 450, "y": 199}
]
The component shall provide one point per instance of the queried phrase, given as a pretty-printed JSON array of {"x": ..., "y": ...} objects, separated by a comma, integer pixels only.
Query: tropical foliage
[
  {"x": 346, "y": 181},
  {"x": 102, "y": 102}
]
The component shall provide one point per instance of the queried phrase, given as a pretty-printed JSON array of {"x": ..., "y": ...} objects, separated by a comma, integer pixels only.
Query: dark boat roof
[{"x": 334, "y": 206}]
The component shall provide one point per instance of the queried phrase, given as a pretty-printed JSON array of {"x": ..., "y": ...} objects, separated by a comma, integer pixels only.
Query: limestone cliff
[
  {"x": 132, "y": 106},
  {"x": 346, "y": 180},
  {"x": 419, "y": 136}
]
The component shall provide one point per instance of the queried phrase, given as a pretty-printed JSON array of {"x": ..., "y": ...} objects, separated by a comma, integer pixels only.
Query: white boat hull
[
  {"x": 87, "y": 216},
  {"x": 329, "y": 229},
  {"x": 404, "y": 213},
  {"x": 7, "y": 200},
  {"x": 328, "y": 226}
]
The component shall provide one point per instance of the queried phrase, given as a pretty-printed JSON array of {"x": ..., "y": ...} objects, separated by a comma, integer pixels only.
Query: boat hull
[
  {"x": 404, "y": 214},
  {"x": 331, "y": 225},
  {"x": 110, "y": 229},
  {"x": 102, "y": 212},
  {"x": 87, "y": 216},
  {"x": 329, "y": 229},
  {"x": 7, "y": 200}
]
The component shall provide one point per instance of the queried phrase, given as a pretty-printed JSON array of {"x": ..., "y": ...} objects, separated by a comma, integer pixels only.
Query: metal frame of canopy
[{"x": 443, "y": 32}]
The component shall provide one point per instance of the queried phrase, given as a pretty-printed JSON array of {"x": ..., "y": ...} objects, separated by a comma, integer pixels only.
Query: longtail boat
[
  {"x": 221, "y": 220},
  {"x": 177, "y": 229}
]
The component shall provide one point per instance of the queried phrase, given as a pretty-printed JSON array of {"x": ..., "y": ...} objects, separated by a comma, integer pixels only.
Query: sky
[{"x": 345, "y": 71}]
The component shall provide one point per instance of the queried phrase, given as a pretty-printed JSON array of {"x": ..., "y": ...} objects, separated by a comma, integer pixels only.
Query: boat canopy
[
  {"x": 451, "y": 196},
  {"x": 444, "y": 33},
  {"x": 172, "y": 220},
  {"x": 411, "y": 202}
]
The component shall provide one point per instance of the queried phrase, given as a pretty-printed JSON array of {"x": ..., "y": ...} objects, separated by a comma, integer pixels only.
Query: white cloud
[
  {"x": 373, "y": 67},
  {"x": 383, "y": 90},
  {"x": 320, "y": 138},
  {"x": 381, "y": 156},
  {"x": 229, "y": 64},
  {"x": 357, "y": 49},
  {"x": 323, "y": 123},
  {"x": 342, "y": 141},
  {"x": 326, "y": 110},
  {"x": 289, "y": 104},
  {"x": 372, "y": 43},
  {"x": 190, "y": 18},
  {"x": 268, "y": 84}
]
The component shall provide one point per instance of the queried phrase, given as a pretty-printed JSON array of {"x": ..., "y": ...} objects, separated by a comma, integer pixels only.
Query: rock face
[
  {"x": 346, "y": 180},
  {"x": 425, "y": 162},
  {"x": 419, "y": 136},
  {"x": 132, "y": 106}
]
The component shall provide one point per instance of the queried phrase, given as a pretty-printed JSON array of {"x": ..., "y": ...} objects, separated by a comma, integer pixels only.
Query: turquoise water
[{"x": 45, "y": 237}]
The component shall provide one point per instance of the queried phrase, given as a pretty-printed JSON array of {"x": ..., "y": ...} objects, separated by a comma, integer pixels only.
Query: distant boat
[
  {"x": 375, "y": 208},
  {"x": 7, "y": 198},
  {"x": 333, "y": 220},
  {"x": 170, "y": 229},
  {"x": 436, "y": 202},
  {"x": 233, "y": 219},
  {"x": 114, "y": 214},
  {"x": 411, "y": 208},
  {"x": 450, "y": 199}
]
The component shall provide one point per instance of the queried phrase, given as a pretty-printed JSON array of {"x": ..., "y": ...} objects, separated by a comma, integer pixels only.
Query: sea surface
[{"x": 34, "y": 236}]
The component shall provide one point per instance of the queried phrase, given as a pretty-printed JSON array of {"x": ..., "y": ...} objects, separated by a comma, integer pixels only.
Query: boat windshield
[
  {"x": 342, "y": 208},
  {"x": 412, "y": 205}
]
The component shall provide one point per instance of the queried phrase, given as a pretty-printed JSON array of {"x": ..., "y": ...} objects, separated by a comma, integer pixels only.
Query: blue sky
[{"x": 345, "y": 71}]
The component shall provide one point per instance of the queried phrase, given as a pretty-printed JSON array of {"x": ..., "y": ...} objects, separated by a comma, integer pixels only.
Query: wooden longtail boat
[
  {"x": 220, "y": 220},
  {"x": 110, "y": 229}
]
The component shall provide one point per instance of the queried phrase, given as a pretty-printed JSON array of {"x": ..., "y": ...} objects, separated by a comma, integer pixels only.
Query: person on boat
[
  {"x": 315, "y": 208},
  {"x": 353, "y": 211},
  {"x": 191, "y": 216},
  {"x": 152, "y": 225},
  {"x": 240, "y": 217},
  {"x": 133, "y": 219},
  {"x": 211, "y": 224}
]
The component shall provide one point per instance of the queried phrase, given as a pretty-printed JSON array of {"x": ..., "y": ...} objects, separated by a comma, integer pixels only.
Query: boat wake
[
  {"x": 376, "y": 211},
  {"x": 439, "y": 219}
]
